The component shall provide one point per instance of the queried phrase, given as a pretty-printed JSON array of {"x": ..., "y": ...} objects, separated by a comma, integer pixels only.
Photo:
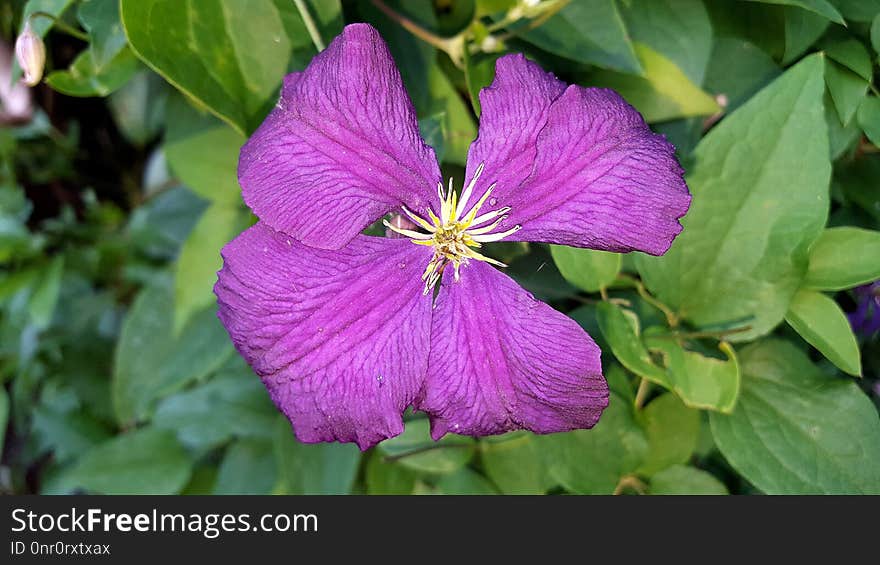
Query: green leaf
[
  {"x": 414, "y": 449},
  {"x": 875, "y": 33},
  {"x": 45, "y": 297},
  {"x": 738, "y": 69},
  {"x": 234, "y": 403},
  {"x": 516, "y": 462},
  {"x": 844, "y": 257},
  {"x": 587, "y": 269},
  {"x": 620, "y": 329},
  {"x": 821, "y": 7},
  {"x": 593, "y": 461},
  {"x": 840, "y": 138},
  {"x": 588, "y": 31},
  {"x": 681, "y": 479},
  {"x": 231, "y": 64},
  {"x": 760, "y": 199},
  {"x": 248, "y": 467},
  {"x": 203, "y": 153},
  {"x": 479, "y": 72},
  {"x": 199, "y": 259},
  {"x": 798, "y": 431},
  {"x": 459, "y": 127},
  {"x": 465, "y": 481},
  {"x": 66, "y": 435},
  {"x": 320, "y": 468},
  {"x": 100, "y": 18},
  {"x": 662, "y": 92},
  {"x": 151, "y": 362},
  {"x": 672, "y": 430},
  {"x": 86, "y": 78},
  {"x": 869, "y": 118},
  {"x": 847, "y": 90},
  {"x": 857, "y": 10},
  {"x": 851, "y": 54},
  {"x": 388, "y": 478},
  {"x": 679, "y": 30},
  {"x": 42, "y": 25},
  {"x": 802, "y": 29},
  {"x": 139, "y": 107},
  {"x": 145, "y": 461},
  {"x": 820, "y": 321},
  {"x": 700, "y": 381}
]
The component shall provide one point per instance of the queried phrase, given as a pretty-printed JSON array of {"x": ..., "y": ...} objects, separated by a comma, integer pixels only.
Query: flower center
[{"x": 455, "y": 234}]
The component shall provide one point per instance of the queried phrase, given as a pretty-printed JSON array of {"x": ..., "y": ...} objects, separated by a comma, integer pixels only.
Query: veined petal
[
  {"x": 501, "y": 360},
  {"x": 340, "y": 338},
  {"x": 514, "y": 111},
  {"x": 342, "y": 147},
  {"x": 601, "y": 179}
]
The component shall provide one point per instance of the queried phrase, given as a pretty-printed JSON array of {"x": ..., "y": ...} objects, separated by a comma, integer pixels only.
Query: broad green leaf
[
  {"x": 851, "y": 54},
  {"x": 199, "y": 260},
  {"x": 85, "y": 78},
  {"x": 248, "y": 467},
  {"x": 100, "y": 18},
  {"x": 593, "y": 461},
  {"x": 840, "y": 138},
  {"x": 847, "y": 90},
  {"x": 45, "y": 297},
  {"x": 760, "y": 199},
  {"x": 672, "y": 430},
  {"x": 231, "y": 64},
  {"x": 869, "y": 118},
  {"x": 66, "y": 435},
  {"x": 234, "y": 403},
  {"x": 700, "y": 381},
  {"x": 516, "y": 462},
  {"x": 588, "y": 31},
  {"x": 844, "y": 257},
  {"x": 802, "y": 29},
  {"x": 875, "y": 33},
  {"x": 621, "y": 331},
  {"x": 40, "y": 24},
  {"x": 388, "y": 478},
  {"x": 479, "y": 72},
  {"x": 587, "y": 269},
  {"x": 679, "y": 30},
  {"x": 414, "y": 449},
  {"x": 662, "y": 92},
  {"x": 203, "y": 153},
  {"x": 320, "y": 468},
  {"x": 681, "y": 479},
  {"x": 465, "y": 481},
  {"x": 797, "y": 430},
  {"x": 145, "y": 461},
  {"x": 821, "y": 7},
  {"x": 820, "y": 321},
  {"x": 738, "y": 69},
  {"x": 857, "y": 10},
  {"x": 152, "y": 362},
  {"x": 139, "y": 107}
]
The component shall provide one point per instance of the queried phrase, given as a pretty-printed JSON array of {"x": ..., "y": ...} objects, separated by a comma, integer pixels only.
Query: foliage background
[{"x": 732, "y": 364}]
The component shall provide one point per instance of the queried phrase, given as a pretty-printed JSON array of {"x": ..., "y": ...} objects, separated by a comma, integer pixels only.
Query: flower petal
[
  {"x": 501, "y": 360},
  {"x": 601, "y": 179},
  {"x": 342, "y": 147},
  {"x": 514, "y": 111},
  {"x": 340, "y": 338}
]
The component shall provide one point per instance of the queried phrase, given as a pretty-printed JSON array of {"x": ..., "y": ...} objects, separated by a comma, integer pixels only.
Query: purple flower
[
  {"x": 345, "y": 330},
  {"x": 865, "y": 321}
]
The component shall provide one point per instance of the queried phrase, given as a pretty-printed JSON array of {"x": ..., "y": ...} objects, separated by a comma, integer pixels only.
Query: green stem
[
  {"x": 454, "y": 46},
  {"x": 426, "y": 448},
  {"x": 69, "y": 30},
  {"x": 642, "y": 393},
  {"x": 310, "y": 24},
  {"x": 671, "y": 317}
]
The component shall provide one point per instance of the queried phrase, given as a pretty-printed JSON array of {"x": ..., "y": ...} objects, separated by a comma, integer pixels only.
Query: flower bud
[{"x": 31, "y": 54}]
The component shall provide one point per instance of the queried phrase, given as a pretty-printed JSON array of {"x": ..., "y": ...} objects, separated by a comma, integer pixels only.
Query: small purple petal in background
[
  {"x": 341, "y": 149},
  {"x": 501, "y": 360},
  {"x": 865, "y": 321},
  {"x": 340, "y": 338}
]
